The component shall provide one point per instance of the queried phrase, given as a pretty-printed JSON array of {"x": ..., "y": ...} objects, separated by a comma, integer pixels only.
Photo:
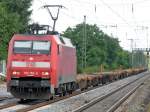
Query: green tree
[
  {"x": 14, "y": 18},
  {"x": 101, "y": 48}
]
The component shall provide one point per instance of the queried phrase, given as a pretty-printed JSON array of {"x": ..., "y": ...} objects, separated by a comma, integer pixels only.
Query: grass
[
  {"x": 148, "y": 109},
  {"x": 2, "y": 80}
]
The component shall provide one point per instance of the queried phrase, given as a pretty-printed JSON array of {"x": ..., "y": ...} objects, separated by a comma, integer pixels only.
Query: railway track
[
  {"x": 33, "y": 105},
  {"x": 30, "y": 105},
  {"x": 8, "y": 105},
  {"x": 109, "y": 102},
  {"x": 118, "y": 103},
  {"x": 6, "y": 102},
  {"x": 44, "y": 103},
  {"x": 5, "y": 98}
]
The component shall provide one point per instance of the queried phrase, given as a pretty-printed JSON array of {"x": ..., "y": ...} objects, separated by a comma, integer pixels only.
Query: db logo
[{"x": 30, "y": 64}]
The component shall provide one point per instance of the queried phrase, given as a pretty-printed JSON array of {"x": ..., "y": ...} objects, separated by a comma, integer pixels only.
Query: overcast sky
[{"x": 131, "y": 17}]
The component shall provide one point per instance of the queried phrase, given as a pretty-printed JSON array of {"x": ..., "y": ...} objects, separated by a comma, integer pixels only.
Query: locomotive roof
[
  {"x": 59, "y": 39},
  {"x": 63, "y": 41}
]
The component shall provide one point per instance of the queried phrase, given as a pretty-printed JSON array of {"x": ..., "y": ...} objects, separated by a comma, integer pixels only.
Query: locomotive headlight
[
  {"x": 15, "y": 73},
  {"x": 45, "y": 73}
]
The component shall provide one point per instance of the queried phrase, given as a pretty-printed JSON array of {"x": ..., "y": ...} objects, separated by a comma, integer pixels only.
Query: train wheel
[
  {"x": 82, "y": 89},
  {"x": 60, "y": 94},
  {"x": 70, "y": 91},
  {"x": 64, "y": 93},
  {"x": 59, "y": 91},
  {"x": 22, "y": 100},
  {"x": 52, "y": 98}
]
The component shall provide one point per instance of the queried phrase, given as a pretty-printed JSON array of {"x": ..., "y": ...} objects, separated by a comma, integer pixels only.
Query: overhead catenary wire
[
  {"x": 95, "y": 6},
  {"x": 133, "y": 16},
  {"x": 141, "y": 1},
  {"x": 113, "y": 11},
  {"x": 116, "y": 13},
  {"x": 119, "y": 24},
  {"x": 95, "y": 9}
]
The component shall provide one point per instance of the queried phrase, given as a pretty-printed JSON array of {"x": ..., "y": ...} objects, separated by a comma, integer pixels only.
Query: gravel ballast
[
  {"x": 3, "y": 90},
  {"x": 74, "y": 102},
  {"x": 139, "y": 101}
]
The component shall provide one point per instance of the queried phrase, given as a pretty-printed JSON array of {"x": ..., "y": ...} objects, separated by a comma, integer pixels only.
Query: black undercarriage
[{"x": 30, "y": 88}]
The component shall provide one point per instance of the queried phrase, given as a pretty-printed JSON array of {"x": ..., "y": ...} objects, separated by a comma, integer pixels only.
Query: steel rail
[
  {"x": 32, "y": 107},
  {"x": 8, "y": 105},
  {"x": 56, "y": 99},
  {"x": 35, "y": 106},
  {"x": 98, "y": 99},
  {"x": 118, "y": 103},
  {"x": 4, "y": 98}
]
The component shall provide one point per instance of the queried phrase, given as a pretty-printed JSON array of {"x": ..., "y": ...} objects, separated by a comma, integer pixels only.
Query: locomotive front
[
  {"x": 28, "y": 67},
  {"x": 41, "y": 66}
]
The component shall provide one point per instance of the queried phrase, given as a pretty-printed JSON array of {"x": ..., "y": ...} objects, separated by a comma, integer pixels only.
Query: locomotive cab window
[
  {"x": 22, "y": 47},
  {"x": 41, "y": 47},
  {"x": 31, "y": 47}
]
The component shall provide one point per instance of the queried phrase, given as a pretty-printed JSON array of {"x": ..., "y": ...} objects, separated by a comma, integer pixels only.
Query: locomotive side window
[
  {"x": 22, "y": 47},
  {"x": 32, "y": 47}
]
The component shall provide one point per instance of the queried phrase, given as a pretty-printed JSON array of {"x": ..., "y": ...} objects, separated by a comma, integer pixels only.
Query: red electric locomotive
[{"x": 40, "y": 66}]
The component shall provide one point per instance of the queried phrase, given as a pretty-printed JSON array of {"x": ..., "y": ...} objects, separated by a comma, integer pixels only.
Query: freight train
[
  {"x": 95, "y": 79},
  {"x": 40, "y": 66}
]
